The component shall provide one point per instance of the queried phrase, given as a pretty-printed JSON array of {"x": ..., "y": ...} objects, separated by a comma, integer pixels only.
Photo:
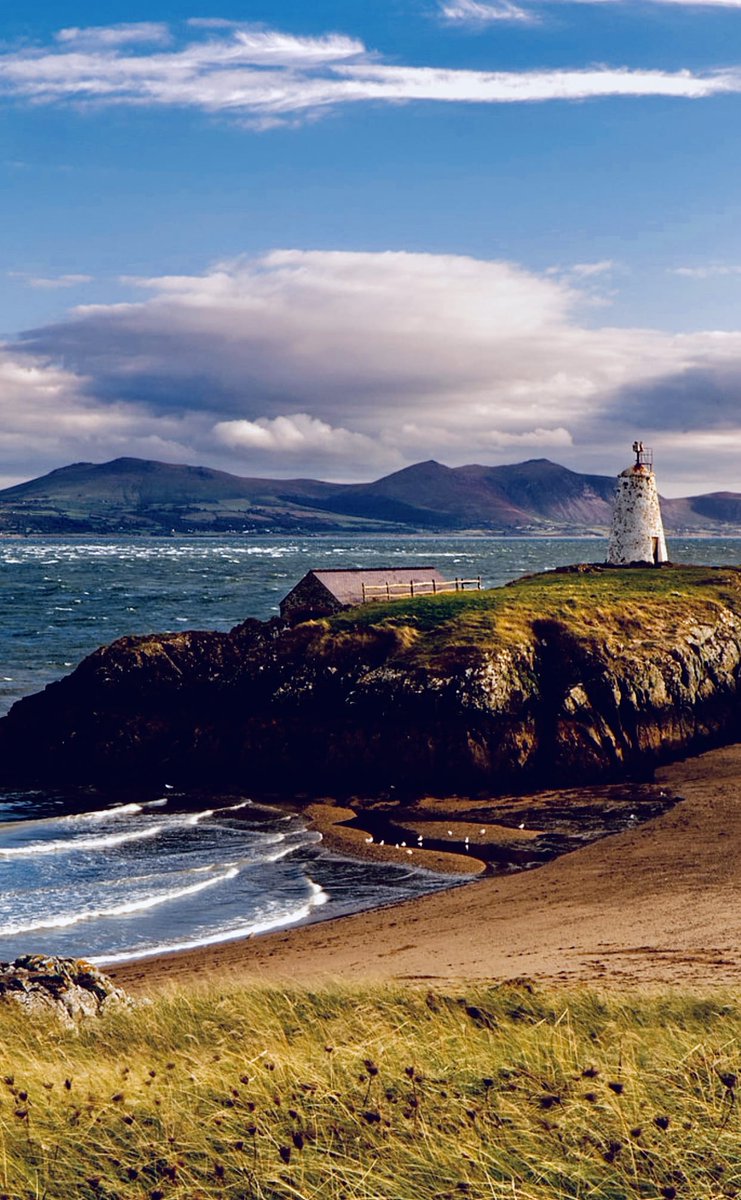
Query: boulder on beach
[{"x": 71, "y": 988}]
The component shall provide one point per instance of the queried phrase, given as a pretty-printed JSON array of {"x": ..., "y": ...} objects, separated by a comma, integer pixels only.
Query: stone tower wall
[{"x": 637, "y": 530}]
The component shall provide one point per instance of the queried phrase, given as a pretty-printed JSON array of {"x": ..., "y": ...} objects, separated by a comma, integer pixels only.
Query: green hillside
[{"x": 130, "y": 495}]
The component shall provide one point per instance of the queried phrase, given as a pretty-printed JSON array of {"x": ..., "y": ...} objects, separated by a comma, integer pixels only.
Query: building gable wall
[{"x": 310, "y": 598}]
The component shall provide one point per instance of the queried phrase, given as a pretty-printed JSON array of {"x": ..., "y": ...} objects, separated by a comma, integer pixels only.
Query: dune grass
[{"x": 375, "y": 1094}]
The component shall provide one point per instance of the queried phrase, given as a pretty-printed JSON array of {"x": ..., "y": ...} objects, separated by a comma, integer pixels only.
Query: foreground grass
[{"x": 384, "y": 1094}]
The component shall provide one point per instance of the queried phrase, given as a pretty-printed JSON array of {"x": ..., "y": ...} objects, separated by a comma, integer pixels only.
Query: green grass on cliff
[
  {"x": 376, "y": 1094},
  {"x": 624, "y": 601}
]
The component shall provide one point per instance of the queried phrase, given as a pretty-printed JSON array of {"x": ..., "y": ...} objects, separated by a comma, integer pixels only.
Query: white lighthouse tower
[{"x": 637, "y": 532}]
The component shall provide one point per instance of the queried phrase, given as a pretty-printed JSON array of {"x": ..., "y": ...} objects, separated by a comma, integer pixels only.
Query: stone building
[
  {"x": 637, "y": 534},
  {"x": 321, "y": 593}
]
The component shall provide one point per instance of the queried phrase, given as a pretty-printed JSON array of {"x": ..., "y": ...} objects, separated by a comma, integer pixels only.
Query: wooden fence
[{"x": 417, "y": 587}]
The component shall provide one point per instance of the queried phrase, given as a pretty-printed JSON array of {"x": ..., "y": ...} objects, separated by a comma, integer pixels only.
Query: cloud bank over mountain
[{"x": 347, "y": 365}]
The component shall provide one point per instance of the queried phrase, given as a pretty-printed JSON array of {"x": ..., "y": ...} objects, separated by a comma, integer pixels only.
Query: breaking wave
[
  {"x": 105, "y": 814},
  {"x": 64, "y": 920},
  {"x": 260, "y": 925},
  {"x": 67, "y": 845}
]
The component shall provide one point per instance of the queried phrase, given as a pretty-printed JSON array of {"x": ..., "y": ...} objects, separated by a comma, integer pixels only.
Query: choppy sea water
[{"x": 114, "y": 877}]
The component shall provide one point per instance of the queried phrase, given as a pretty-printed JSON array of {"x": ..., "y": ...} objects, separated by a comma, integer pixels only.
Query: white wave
[
  {"x": 105, "y": 814},
  {"x": 82, "y": 843},
  {"x": 318, "y": 896},
  {"x": 194, "y": 818},
  {"x": 274, "y": 858},
  {"x": 117, "y": 910}
]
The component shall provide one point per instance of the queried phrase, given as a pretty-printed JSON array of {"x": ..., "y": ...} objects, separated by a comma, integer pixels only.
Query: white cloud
[
  {"x": 558, "y": 437},
  {"x": 264, "y": 77},
  {"x": 482, "y": 12},
  {"x": 298, "y": 435},
  {"x": 49, "y": 418},
  {"x": 479, "y": 13},
  {"x": 56, "y": 281},
  {"x": 348, "y": 365},
  {"x": 709, "y": 271},
  {"x": 489, "y": 440},
  {"x": 380, "y": 82},
  {"x": 587, "y": 270},
  {"x": 111, "y": 36},
  {"x": 594, "y": 280}
]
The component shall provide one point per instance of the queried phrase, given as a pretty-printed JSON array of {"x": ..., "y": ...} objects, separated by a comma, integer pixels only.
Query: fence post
[
  {"x": 434, "y": 588},
  {"x": 388, "y": 590},
  {"x": 411, "y": 587}
]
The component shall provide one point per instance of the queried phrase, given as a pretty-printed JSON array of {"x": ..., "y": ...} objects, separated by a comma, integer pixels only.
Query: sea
[{"x": 116, "y": 875}]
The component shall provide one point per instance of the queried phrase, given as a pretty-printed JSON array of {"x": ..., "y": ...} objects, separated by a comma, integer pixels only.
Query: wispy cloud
[
  {"x": 708, "y": 271},
  {"x": 51, "y": 282},
  {"x": 102, "y": 36},
  {"x": 483, "y": 12},
  {"x": 263, "y": 76},
  {"x": 588, "y": 270}
]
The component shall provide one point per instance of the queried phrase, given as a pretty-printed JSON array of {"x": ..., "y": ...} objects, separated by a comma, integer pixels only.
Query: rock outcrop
[
  {"x": 70, "y": 988},
  {"x": 563, "y": 678}
]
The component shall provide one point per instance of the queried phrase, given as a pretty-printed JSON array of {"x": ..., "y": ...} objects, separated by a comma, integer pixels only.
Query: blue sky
[{"x": 337, "y": 238}]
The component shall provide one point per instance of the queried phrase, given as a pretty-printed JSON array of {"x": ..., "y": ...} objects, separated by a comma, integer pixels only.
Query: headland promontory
[{"x": 581, "y": 675}]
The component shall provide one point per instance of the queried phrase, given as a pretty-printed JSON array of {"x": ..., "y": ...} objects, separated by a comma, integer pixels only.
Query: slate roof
[{"x": 347, "y": 585}]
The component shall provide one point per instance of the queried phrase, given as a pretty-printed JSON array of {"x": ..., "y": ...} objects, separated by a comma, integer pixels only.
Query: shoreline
[
  {"x": 330, "y": 820},
  {"x": 655, "y": 906}
]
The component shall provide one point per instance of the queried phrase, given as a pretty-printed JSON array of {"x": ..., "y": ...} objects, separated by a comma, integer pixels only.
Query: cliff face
[{"x": 558, "y": 679}]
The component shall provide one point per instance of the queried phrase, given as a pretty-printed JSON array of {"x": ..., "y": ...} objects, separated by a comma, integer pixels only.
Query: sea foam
[{"x": 63, "y": 920}]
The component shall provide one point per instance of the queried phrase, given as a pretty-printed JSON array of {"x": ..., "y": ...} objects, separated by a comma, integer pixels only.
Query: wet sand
[
  {"x": 657, "y": 906},
  {"x": 359, "y": 842}
]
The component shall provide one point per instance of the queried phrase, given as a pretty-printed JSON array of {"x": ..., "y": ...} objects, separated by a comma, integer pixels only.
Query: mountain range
[{"x": 131, "y": 495}]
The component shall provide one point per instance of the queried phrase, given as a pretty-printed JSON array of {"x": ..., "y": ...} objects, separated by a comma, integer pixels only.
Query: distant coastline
[{"x": 533, "y": 498}]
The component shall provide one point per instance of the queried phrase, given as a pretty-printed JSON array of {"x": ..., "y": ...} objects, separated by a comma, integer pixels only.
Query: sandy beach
[{"x": 656, "y": 906}]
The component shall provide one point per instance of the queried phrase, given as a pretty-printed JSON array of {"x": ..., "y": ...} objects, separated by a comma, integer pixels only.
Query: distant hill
[
  {"x": 131, "y": 495},
  {"x": 429, "y": 495},
  {"x": 139, "y": 496}
]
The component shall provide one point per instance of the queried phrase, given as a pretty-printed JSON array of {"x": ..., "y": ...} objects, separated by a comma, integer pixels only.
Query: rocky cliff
[{"x": 567, "y": 677}]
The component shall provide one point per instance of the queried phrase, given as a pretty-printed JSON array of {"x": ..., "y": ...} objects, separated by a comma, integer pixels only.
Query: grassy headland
[
  {"x": 376, "y": 1094},
  {"x": 598, "y": 599},
  {"x": 565, "y": 678}
]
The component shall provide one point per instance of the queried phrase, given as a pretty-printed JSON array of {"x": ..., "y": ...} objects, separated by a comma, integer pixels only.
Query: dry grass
[
  {"x": 376, "y": 1094},
  {"x": 610, "y": 603}
]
